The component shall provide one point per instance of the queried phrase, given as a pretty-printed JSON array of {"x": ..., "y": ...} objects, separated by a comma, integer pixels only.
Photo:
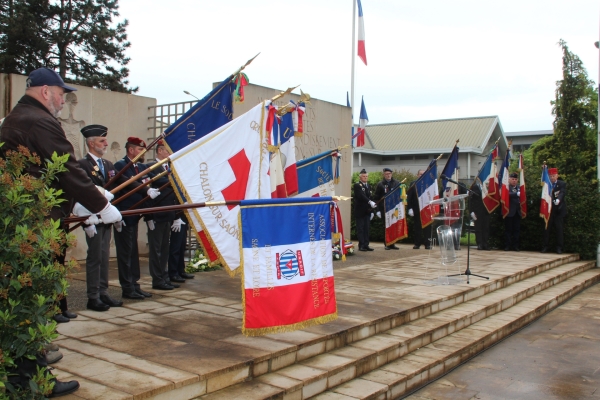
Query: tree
[
  {"x": 76, "y": 37},
  {"x": 572, "y": 148}
]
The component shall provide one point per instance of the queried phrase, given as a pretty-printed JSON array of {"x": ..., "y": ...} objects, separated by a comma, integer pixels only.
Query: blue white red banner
[
  {"x": 359, "y": 137},
  {"x": 427, "y": 191},
  {"x": 546, "y": 200},
  {"x": 523, "y": 195},
  {"x": 504, "y": 194},
  {"x": 395, "y": 217},
  {"x": 316, "y": 176},
  {"x": 488, "y": 177},
  {"x": 287, "y": 265},
  {"x": 362, "y": 52},
  {"x": 451, "y": 170}
]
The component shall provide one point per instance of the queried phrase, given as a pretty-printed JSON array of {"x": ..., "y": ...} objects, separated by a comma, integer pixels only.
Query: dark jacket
[
  {"x": 166, "y": 198},
  {"x": 31, "y": 125},
  {"x": 514, "y": 201},
  {"x": 362, "y": 196},
  {"x": 382, "y": 189},
  {"x": 136, "y": 197},
  {"x": 559, "y": 191}
]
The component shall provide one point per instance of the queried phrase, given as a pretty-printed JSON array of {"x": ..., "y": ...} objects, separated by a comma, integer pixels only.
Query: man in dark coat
[
  {"x": 422, "y": 235},
  {"x": 512, "y": 221},
  {"x": 480, "y": 216},
  {"x": 387, "y": 184},
  {"x": 363, "y": 206},
  {"x": 558, "y": 211},
  {"x": 33, "y": 124},
  {"x": 126, "y": 234}
]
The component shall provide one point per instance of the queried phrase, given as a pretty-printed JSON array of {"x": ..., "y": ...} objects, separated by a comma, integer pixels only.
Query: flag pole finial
[{"x": 288, "y": 91}]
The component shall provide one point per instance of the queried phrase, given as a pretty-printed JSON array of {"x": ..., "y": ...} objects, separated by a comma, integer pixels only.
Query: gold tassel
[
  {"x": 298, "y": 134},
  {"x": 343, "y": 257},
  {"x": 336, "y": 236}
]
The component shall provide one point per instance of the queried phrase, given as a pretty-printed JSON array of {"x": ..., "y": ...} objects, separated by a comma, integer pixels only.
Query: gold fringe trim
[
  {"x": 336, "y": 181},
  {"x": 298, "y": 134},
  {"x": 273, "y": 148},
  {"x": 336, "y": 236},
  {"x": 343, "y": 257},
  {"x": 288, "y": 328}
]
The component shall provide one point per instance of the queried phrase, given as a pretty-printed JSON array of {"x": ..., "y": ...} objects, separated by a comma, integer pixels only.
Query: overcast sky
[{"x": 430, "y": 59}]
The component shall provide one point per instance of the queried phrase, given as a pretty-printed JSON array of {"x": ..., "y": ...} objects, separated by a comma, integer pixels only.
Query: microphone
[{"x": 451, "y": 180}]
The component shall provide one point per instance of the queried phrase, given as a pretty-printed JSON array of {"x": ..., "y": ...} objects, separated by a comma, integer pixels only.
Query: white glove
[
  {"x": 110, "y": 214},
  {"x": 372, "y": 215},
  {"x": 80, "y": 210},
  {"x": 108, "y": 195},
  {"x": 176, "y": 227},
  {"x": 411, "y": 212},
  {"x": 119, "y": 225},
  {"x": 92, "y": 220},
  {"x": 556, "y": 202},
  {"x": 151, "y": 225},
  {"x": 519, "y": 193},
  {"x": 90, "y": 230},
  {"x": 153, "y": 193},
  {"x": 372, "y": 204},
  {"x": 474, "y": 216},
  {"x": 378, "y": 214}
]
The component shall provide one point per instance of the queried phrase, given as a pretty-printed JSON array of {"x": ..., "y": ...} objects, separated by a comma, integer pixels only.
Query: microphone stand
[{"x": 467, "y": 272}]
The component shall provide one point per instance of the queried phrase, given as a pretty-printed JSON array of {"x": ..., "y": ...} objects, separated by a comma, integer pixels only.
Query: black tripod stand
[{"x": 468, "y": 270}]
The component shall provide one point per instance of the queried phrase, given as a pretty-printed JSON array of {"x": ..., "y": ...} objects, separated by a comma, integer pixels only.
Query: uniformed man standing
[
  {"x": 387, "y": 184},
  {"x": 363, "y": 205}
]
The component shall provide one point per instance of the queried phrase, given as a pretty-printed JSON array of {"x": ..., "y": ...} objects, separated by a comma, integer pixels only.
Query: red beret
[
  {"x": 552, "y": 171},
  {"x": 160, "y": 143},
  {"x": 136, "y": 141}
]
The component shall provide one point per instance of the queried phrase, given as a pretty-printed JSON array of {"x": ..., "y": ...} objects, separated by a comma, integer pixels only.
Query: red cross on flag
[{"x": 230, "y": 163}]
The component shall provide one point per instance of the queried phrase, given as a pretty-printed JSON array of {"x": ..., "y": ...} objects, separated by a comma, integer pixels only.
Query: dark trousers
[
  {"x": 128, "y": 260},
  {"x": 96, "y": 262},
  {"x": 482, "y": 230},
  {"x": 362, "y": 231},
  {"x": 177, "y": 251},
  {"x": 422, "y": 235},
  {"x": 512, "y": 228},
  {"x": 158, "y": 257},
  {"x": 558, "y": 222}
]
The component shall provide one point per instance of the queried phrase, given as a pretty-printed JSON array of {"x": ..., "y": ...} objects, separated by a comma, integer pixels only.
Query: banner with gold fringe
[{"x": 287, "y": 268}]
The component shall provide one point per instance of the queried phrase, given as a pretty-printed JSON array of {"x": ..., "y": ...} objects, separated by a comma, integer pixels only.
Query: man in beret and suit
[
  {"x": 512, "y": 221},
  {"x": 126, "y": 234},
  {"x": 98, "y": 236},
  {"x": 387, "y": 184},
  {"x": 363, "y": 205},
  {"x": 558, "y": 211}
]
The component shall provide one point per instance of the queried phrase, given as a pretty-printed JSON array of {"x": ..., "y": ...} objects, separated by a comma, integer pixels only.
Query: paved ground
[{"x": 556, "y": 357}]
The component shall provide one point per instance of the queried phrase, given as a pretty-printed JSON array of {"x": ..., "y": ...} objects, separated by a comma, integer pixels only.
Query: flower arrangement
[
  {"x": 199, "y": 263},
  {"x": 337, "y": 252}
]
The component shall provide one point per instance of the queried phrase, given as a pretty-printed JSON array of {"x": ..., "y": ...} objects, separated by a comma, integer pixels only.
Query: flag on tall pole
[
  {"x": 230, "y": 163},
  {"x": 287, "y": 266},
  {"x": 395, "y": 216},
  {"x": 488, "y": 177},
  {"x": 451, "y": 170},
  {"x": 427, "y": 190},
  {"x": 316, "y": 177},
  {"x": 504, "y": 193},
  {"x": 523, "y": 195},
  {"x": 362, "y": 52},
  {"x": 362, "y": 123},
  {"x": 546, "y": 200}
]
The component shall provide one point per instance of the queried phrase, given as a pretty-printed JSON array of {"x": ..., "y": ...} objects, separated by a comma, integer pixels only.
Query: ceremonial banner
[
  {"x": 504, "y": 194},
  {"x": 362, "y": 52},
  {"x": 228, "y": 164},
  {"x": 208, "y": 114},
  {"x": 451, "y": 170},
  {"x": 395, "y": 217},
  {"x": 362, "y": 123},
  {"x": 546, "y": 200},
  {"x": 523, "y": 195},
  {"x": 488, "y": 177},
  {"x": 427, "y": 190},
  {"x": 315, "y": 175},
  {"x": 291, "y": 123},
  {"x": 287, "y": 266}
]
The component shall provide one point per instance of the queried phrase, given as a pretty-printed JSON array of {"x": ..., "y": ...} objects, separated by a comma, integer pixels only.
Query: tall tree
[
  {"x": 573, "y": 146},
  {"x": 76, "y": 37}
]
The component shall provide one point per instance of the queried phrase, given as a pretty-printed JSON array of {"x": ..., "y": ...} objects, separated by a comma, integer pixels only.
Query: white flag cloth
[{"x": 230, "y": 163}]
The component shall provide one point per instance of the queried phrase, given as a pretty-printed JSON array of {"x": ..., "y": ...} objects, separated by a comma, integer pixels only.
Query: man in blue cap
[{"x": 33, "y": 124}]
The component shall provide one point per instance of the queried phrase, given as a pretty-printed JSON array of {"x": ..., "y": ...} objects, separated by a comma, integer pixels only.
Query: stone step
[
  {"x": 415, "y": 369},
  {"x": 311, "y": 376}
]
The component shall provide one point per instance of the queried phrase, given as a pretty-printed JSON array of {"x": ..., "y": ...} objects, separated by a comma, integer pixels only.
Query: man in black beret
[
  {"x": 387, "y": 184},
  {"x": 512, "y": 221},
  {"x": 363, "y": 206}
]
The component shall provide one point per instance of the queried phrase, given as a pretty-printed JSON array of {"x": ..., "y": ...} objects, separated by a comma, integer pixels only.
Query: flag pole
[{"x": 352, "y": 86}]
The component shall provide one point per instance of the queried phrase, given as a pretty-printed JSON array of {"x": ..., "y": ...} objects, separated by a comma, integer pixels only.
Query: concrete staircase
[{"x": 390, "y": 357}]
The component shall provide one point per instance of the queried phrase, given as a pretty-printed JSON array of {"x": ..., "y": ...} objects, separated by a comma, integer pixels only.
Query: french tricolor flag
[
  {"x": 546, "y": 200},
  {"x": 287, "y": 264},
  {"x": 362, "y": 124},
  {"x": 362, "y": 53}
]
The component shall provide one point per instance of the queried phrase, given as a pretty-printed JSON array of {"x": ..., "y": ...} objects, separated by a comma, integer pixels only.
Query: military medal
[{"x": 96, "y": 168}]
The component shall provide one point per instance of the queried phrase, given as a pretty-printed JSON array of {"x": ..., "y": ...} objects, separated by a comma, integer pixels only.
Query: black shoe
[
  {"x": 97, "y": 305},
  {"x": 516, "y": 248},
  {"x": 427, "y": 247},
  {"x": 133, "y": 296},
  {"x": 544, "y": 250},
  {"x": 369, "y": 248},
  {"x": 162, "y": 286},
  {"x": 61, "y": 319},
  {"x": 416, "y": 247},
  {"x": 174, "y": 285},
  {"x": 185, "y": 275},
  {"x": 106, "y": 299},
  {"x": 388, "y": 247},
  {"x": 63, "y": 388},
  {"x": 558, "y": 250},
  {"x": 145, "y": 294},
  {"x": 393, "y": 247},
  {"x": 363, "y": 249},
  {"x": 177, "y": 279},
  {"x": 69, "y": 314}
]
